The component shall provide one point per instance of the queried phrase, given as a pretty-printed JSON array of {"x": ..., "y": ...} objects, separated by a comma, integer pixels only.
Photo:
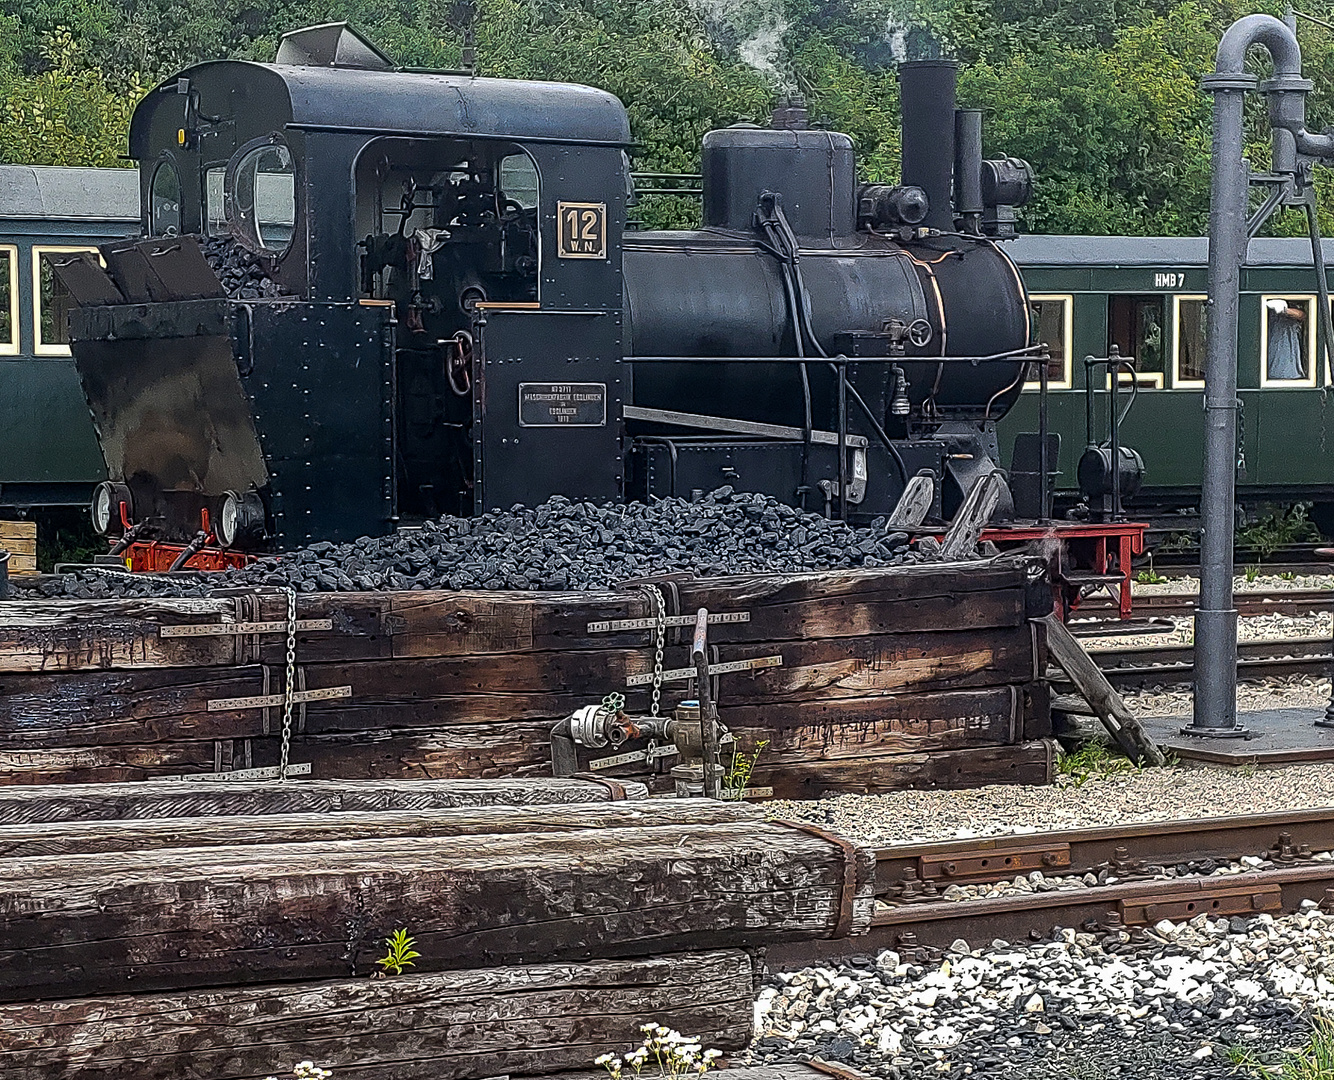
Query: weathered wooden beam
[
  {"x": 1026, "y": 763},
  {"x": 192, "y": 917},
  {"x": 89, "y": 837},
  {"x": 89, "y": 708},
  {"x": 459, "y": 1025},
  {"x": 181, "y": 798},
  {"x": 1093, "y": 685},
  {"x": 72, "y": 635}
]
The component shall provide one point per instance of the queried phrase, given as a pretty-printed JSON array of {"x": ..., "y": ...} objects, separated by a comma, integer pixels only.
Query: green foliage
[
  {"x": 738, "y": 773},
  {"x": 1101, "y": 96},
  {"x": 401, "y": 953},
  {"x": 1277, "y": 529},
  {"x": 1314, "y": 1061},
  {"x": 1092, "y": 762},
  {"x": 1149, "y": 577},
  {"x": 68, "y": 114}
]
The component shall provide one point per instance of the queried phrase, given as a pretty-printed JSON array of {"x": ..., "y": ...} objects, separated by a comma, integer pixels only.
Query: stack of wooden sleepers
[
  {"x": 915, "y": 676},
  {"x": 153, "y": 931}
]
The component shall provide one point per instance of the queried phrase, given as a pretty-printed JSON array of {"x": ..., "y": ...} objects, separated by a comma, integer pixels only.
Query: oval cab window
[{"x": 262, "y": 198}]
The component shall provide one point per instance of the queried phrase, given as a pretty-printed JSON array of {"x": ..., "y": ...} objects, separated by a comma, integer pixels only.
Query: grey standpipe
[
  {"x": 1229, "y": 234},
  {"x": 708, "y": 711}
]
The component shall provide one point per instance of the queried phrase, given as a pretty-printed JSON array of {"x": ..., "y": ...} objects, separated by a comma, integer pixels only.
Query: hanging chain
[
  {"x": 289, "y": 687},
  {"x": 660, "y": 614}
]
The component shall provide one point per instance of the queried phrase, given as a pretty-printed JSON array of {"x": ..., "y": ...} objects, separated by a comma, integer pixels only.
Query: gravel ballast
[
  {"x": 1084, "y": 1005},
  {"x": 1123, "y": 798},
  {"x": 558, "y": 545}
]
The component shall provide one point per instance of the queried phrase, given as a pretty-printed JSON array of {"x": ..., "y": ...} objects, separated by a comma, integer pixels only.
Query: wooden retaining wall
[{"x": 908, "y": 676}]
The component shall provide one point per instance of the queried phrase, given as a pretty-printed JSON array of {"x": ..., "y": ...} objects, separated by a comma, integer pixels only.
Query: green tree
[{"x": 68, "y": 114}]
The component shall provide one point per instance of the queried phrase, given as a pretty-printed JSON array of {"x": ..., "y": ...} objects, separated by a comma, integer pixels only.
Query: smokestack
[{"x": 927, "y": 95}]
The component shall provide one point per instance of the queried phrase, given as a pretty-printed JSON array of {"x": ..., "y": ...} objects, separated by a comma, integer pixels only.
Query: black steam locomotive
[{"x": 435, "y": 306}]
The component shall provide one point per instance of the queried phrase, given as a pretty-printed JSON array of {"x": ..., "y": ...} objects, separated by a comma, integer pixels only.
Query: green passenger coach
[
  {"x": 48, "y": 454},
  {"x": 1146, "y": 296}
]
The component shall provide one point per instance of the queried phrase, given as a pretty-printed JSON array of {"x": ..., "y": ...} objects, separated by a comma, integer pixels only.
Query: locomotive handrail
[{"x": 1014, "y": 354}]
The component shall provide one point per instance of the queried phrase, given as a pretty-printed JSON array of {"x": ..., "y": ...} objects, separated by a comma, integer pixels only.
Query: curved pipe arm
[{"x": 1264, "y": 30}]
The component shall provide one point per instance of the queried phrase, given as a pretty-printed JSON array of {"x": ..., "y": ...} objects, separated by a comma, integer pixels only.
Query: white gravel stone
[{"x": 1169, "y": 1003}]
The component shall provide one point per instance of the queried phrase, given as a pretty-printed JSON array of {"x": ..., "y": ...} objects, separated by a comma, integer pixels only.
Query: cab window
[{"x": 165, "y": 201}]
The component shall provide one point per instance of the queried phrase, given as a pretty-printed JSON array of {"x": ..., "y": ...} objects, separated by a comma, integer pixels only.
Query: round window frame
[
  {"x": 229, "y": 207},
  {"x": 166, "y": 161}
]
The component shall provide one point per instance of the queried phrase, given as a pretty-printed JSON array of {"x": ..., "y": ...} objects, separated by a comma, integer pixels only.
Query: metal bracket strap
[
  {"x": 266, "y": 772},
  {"x": 612, "y": 625},
  {"x": 848, "y": 899},
  {"x": 267, "y": 701},
  {"x": 633, "y": 757},
  {"x": 277, "y": 626},
  {"x": 678, "y": 674}
]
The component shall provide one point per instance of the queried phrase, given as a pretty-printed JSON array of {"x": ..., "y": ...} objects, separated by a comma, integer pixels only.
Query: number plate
[
  {"x": 563, "y": 404},
  {"x": 583, "y": 230}
]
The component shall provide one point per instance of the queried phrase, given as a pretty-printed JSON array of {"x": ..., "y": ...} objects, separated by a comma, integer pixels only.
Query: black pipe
[
  {"x": 968, "y": 169},
  {"x": 927, "y": 95}
]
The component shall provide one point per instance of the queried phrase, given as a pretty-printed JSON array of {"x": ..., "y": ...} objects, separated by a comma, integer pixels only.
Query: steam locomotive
[{"x": 453, "y": 315}]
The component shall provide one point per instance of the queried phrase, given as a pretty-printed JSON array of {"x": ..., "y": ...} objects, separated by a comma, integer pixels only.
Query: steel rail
[
  {"x": 1285, "y": 602},
  {"x": 1121, "y": 909},
  {"x": 985, "y": 860},
  {"x": 1158, "y": 665}
]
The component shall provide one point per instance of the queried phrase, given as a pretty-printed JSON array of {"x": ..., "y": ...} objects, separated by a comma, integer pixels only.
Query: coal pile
[
  {"x": 242, "y": 274},
  {"x": 558, "y": 545}
]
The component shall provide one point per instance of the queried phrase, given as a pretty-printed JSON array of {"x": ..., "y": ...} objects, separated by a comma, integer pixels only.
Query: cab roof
[{"x": 413, "y": 103}]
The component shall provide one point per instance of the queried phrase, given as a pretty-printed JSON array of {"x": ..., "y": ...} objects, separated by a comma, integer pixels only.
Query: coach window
[
  {"x": 9, "y": 310},
  {"x": 51, "y": 302},
  {"x": 1051, "y": 323},
  {"x": 165, "y": 201},
  {"x": 1136, "y": 326},
  {"x": 1188, "y": 340},
  {"x": 1287, "y": 341}
]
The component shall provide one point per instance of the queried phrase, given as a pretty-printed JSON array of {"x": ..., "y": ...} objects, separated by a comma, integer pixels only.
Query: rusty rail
[{"x": 922, "y": 920}]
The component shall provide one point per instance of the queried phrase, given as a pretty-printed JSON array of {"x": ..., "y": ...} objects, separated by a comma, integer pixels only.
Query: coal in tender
[
  {"x": 240, "y": 270},
  {"x": 558, "y": 545}
]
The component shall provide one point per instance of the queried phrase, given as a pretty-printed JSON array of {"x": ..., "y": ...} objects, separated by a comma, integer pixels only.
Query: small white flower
[{"x": 712, "y": 1054}]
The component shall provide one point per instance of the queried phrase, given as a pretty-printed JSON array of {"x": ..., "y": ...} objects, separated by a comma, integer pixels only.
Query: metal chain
[
  {"x": 289, "y": 688},
  {"x": 660, "y": 614}
]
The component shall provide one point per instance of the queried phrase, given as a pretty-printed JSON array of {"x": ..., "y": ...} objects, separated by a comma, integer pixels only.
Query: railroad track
[
  {"x": 1157, "y": 665},
  {"x": 1169, "y": 605},
  {"x": 910, "y": 877}
]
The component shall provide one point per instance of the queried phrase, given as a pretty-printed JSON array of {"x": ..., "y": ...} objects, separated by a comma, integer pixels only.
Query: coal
[
  {"x": 241, "y": 271},
  {"x": 558, "y": 545}
]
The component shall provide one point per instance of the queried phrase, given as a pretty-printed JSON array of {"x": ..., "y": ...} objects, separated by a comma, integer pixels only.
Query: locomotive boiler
[{"x": 366, "y": 295}]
